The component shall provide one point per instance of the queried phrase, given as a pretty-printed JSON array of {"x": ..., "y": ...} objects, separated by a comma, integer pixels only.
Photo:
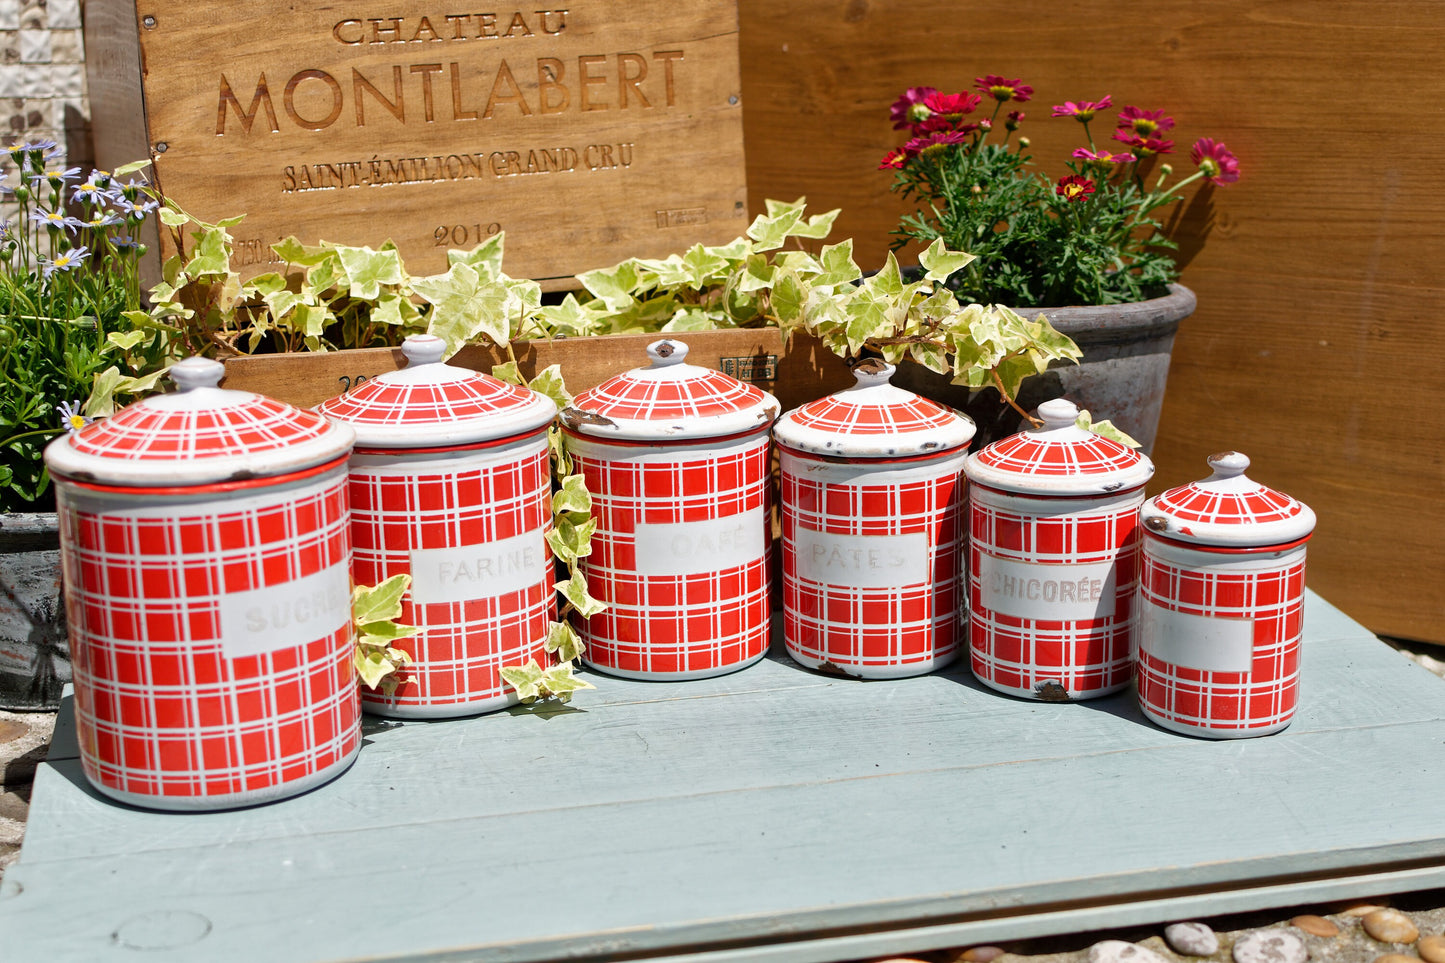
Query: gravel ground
[{"x": 1395, "y": 928}]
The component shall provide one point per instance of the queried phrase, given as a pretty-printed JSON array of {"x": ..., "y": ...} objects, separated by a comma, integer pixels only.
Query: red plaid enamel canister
[
  {"x": 450, "y": 484},
  {"x": 1222, "y": 604},
  {"x": 207, "y": 564},
  {"x": 676, "y": 457},
  {"x": 873, "y": 513},
  {"x": 1054, "y": 559}
]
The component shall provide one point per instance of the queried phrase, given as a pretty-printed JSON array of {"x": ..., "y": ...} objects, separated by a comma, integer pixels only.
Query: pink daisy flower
[
  {"x": 1146, "y": 123},
  {"x": 909, "y": 109},
  {"x": 1103, "y": 159},
  {"x": 1142, "y": 145},
  {"x": 1218, "y": 163},
  {"x": 1084, "y": 110},
  {"x": 1003, "y": 89},
  {"x": 1074, "y": 188}
]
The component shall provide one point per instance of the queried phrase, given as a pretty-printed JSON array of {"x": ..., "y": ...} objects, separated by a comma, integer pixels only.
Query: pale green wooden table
[{"x": 769, "y": 814}]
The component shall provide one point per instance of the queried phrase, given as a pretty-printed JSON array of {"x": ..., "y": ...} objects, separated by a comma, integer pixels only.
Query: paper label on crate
[
  {"x": 1065, "y": 592},
  {"x": 694, "y": 548},
  {"x": 480, "y": 571},
  {"x": 285, "y": 616},
  {"x": 1207, "y": 643},
  {"x": 861, "y": 561}
]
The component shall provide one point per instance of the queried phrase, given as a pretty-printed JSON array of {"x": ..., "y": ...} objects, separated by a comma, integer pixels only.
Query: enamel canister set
[{"x": 211, "y": 539}]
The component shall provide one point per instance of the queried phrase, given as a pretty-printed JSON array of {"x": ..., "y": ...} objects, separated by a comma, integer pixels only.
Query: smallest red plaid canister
[
  {"x": 1222, "y": 604},
  {"x": 1054, "y": 559},
  {"x": 873, "y": 496}
]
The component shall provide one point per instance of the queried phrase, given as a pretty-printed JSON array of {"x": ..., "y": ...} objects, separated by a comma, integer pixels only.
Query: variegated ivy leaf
[
  {"x": 375, "y": 634},
  {"x": 572, "y": 497},
  {"x": 574, "y": 590},
  {"x": 526, "y": 679},
  {"x": 557, "y": 448},
  {"x": 837, "y": 264},
  {"x": 124, "y": 341},
  {"x": 788, "y": 297},
  {"x": 770, "y": 231},
  {"x": 101, "y": 403},
  {"x": 571, "y": 540},
  {"x": 292, "y": 251},
  {"x": 756, "y": 274},
  {"x": 571, "y": 318},
  {"x": 703, "y": 267},
  {"x": 612, "y": 286},
  {"x": 211, "y": 254},
  {"x": 564, "y": 640},
  {"x": 372, "y": 667},
  {"x": 867, "y": 316},
  {"x": 1105, "y": 428},
  {"x": 695, "y": 317},
  {"x": 131, "y": 168},
  {"x": 558, "y": 681},
  {"x": 379, "y": 603},
  {"x": 311, "y": 319},
  {"x": 509, "y": 372},
  {"x": 549, "y": 382},
  {"x": 931, "y": 356},
  {"x": 485, "y": 258},
  {"x": 323, "y": 275},
  {"x": 464, "y": 306},
  {"x": 367, "y": 270},
  {"x": 939, "y": 263},
  {"x": 888, "y": 281},
  {"x": 171, "y": 217}
]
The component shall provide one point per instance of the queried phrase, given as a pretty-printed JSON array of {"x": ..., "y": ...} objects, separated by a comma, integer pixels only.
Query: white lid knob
[
  {"x": 872, "y": 371},
  {"x": 423, "y": 349},
  {"x": 192, "y": 373},
  {"x": 1058, "y": 413},
  {"x": 1228, "y": 464},
  {"x": 666, "y": 352}
]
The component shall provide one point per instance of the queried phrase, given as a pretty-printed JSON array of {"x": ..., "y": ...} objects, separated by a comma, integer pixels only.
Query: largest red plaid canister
[
  {"x": 207, "y": 565},
  {"x": 450, "y": 484},
  {"x": 676, "y": 457},
  {"x": 1054, "y": 559},
  {"x": 873, "y": 498},
  {"x": 1222, "y": 604}
]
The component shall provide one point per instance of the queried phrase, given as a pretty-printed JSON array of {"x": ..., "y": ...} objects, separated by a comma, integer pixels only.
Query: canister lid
[
  {"x": 670, "y": 399},
  {"x": 429, "y": 404},
  {"x": 873, "y": 419},
  {"x": 200, "y": 434},
  {"x": 1059, "y": 458},
  {"x": 1228, "y": 508}
]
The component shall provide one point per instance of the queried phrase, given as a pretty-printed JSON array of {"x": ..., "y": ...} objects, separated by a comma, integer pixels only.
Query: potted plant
[
  {"x": 69, "y": 348},
  {"x": 1064, "y": 245}
]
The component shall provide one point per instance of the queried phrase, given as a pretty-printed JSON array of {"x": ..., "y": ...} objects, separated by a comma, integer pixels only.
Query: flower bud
[
  {"x": 22, "y": 193},
  {"x": 976, "y": 189},
  {"x": 1024, "y": 142},
  {"x": 1166, "y": 169}
]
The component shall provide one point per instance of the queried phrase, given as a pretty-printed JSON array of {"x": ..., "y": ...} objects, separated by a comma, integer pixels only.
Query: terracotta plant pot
[{"x": 1121, "y": 376}]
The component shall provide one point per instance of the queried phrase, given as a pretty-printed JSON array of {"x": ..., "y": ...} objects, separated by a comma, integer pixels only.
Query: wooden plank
[
  {"x": 797, "y": 373},
  {"x": 769, "y": 814},
  {"x": 588, "y": 133},
  {"x": 1318, "y": 280}
]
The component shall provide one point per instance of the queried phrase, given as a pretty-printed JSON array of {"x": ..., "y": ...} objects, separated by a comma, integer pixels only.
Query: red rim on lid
[
  {"x": 1059, "y": 458},
  {"x": 429, "y": 404},
  {"x": 200, "y": 434},
  {"x": 670, "y": 400},
  {"x": 873, "y": 419},
  {"x": 1228, "y": 509}
]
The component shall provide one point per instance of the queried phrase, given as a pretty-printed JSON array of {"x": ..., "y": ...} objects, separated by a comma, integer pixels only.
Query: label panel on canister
[
  {"x": 861, "y": 561},
  {"x": 1207, "y": 643},
  {"x": 478, "y": 571},
  {"x": 698, "y": 547},
  {"x": 1063, "y": 591},
  {"x": 285, "y": 616}
]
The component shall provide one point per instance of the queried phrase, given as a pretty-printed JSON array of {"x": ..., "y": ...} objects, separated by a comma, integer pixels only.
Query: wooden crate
[
  {"x": 796, "y": 372},
  {"x": 589, "y": 134}
]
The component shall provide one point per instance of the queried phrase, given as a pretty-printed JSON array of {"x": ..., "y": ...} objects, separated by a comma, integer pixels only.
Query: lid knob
[
  {"x": 1228, "y": 464},
  {"x": 666, "y": 352},
  {"x": 423, "y": 349},
  {"x": 872, "y": 371},
  {"x": 1058, "y": 413},
  {"x": 192, "y": 373}
]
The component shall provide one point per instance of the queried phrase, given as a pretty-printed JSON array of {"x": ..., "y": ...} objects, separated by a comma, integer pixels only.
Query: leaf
[
  {"x": 549, "y": 382},
  {"x": 564, "y": 640},
  {"x": 465, "y": 306},
  {"x": 571, "y": 540},
  {"x": 367, "y": 270},
  {"x": 171, "y": 217},
  {"x": 131, "y": 168},
  {"x": 485, "y": 258},
  {"x": 372, "y": 667},
  {"x": 101, "y": 403},
  {"x": 1105, "y": 429},
  {"x": 526, "y": 679},
  {"x": 573, "y": 496},
  {"x": 385, "y": 632},
  {"x": 210, "y": 255},
  {"x": 838, "y": 264},
  {"x": 574, "y": 590},
  {"x": 559, "y": 681},
  {"x": 613, "y": 286},
  {"x": 509, "y": 372},
  {"x": 939, "y": 263},
  {"x": 126, "y": 340},
  {"x": 379, "y": 603}
]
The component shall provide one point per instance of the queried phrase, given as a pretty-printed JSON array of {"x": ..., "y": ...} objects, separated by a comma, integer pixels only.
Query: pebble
[
  {"x": 1361, "y": 909},
  {"x": 1390, "y": 926},
  {"x": 1315, "y": 926},
  {"x": 1397, "y": 958},
  {"x": 981, "y": 954},
  {"x": 1431, "y": 949},
  {"x": 1270, "y": 946},
  {"x": 1191, "y": 939},
  {"x": 1118, "y": 951}
]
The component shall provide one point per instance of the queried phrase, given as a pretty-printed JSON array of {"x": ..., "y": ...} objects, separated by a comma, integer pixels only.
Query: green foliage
[
  {"x": 70, "y": 341},
  {"x": 374, "y": 611},
  {"x": 1091, "y": 237}
]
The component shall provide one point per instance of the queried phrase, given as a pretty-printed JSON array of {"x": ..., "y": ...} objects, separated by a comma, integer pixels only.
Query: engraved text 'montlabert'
[{"x": 316, "y": 99}]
